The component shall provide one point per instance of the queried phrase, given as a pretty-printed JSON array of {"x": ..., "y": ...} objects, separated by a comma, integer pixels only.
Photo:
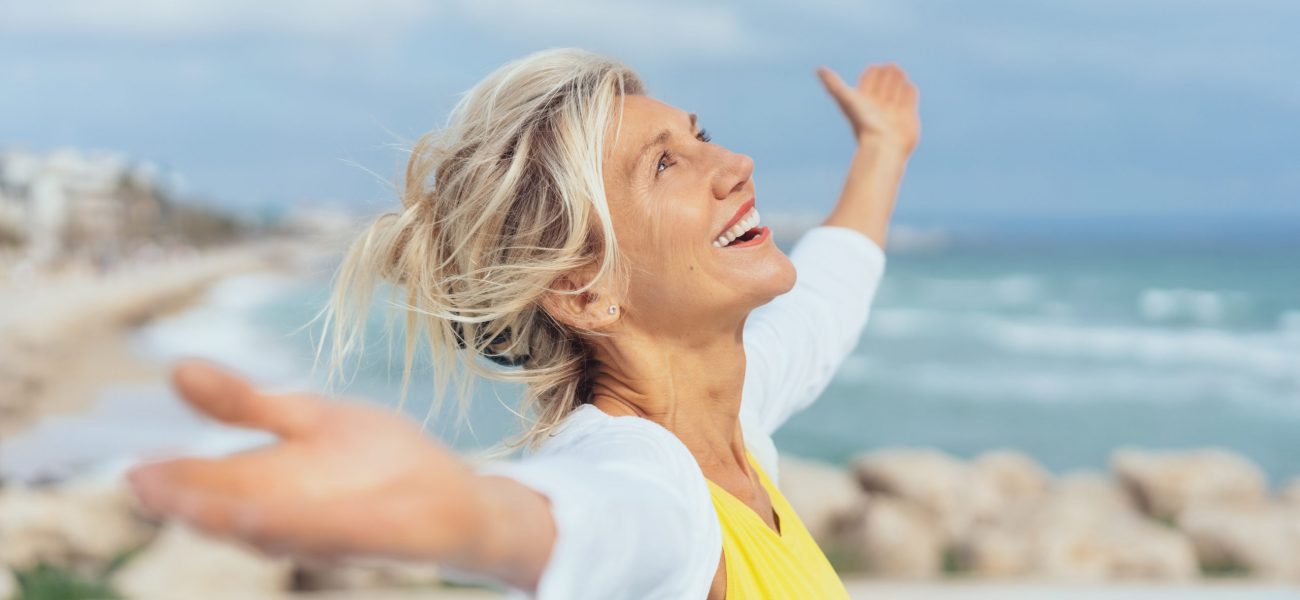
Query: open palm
[
  {"x": 344, "y": 478},
  {"x": 883, "y": 105}
]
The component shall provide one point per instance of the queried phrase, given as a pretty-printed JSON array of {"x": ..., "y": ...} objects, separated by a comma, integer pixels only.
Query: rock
[
  {"x": 182, "y": 563},
  {"x": 1290, "y": 493},
  {"x": 1093, "y": 490},
  {"x": 1144, "y": 549},
  {"x": 1165, "y": 482},
  {"x": 995, "y": 551},
  {"x": 826, "y": 498},
  {"x": 72, "y": 525},
  {"x": 939, "y": 484},
  {"x": 898, "y": 539},
  {"x": 1084, "y": 529},
  {"x": 369, "y": 575},
  {"x": 1014, "y": 474},
  {"x": 1262, "y": 539},
  {"x": 1009, "y": 481},
  {"x": 8, "y": 584}
]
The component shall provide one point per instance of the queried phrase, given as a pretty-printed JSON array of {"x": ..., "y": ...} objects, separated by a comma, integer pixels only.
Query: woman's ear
[{"x": 590, "y": 310}]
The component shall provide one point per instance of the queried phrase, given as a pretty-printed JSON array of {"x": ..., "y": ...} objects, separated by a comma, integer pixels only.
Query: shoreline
[{"x": 63, "y": 339}]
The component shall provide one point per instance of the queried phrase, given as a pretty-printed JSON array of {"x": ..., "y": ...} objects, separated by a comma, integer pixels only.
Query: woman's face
[{"x": 672, "y": 195}]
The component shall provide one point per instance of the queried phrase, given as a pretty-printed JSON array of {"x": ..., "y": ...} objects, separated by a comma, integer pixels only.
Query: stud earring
[{"x": 613, "y": 309}]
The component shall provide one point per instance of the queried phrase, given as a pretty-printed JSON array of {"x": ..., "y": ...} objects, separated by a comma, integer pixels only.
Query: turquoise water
[{"x": 1062, "y": 348}]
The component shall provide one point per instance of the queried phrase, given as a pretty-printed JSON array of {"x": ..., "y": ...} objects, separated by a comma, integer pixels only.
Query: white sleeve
[
  {"x": 795, "y": 343},
  {"x": 632, "y": 515}
]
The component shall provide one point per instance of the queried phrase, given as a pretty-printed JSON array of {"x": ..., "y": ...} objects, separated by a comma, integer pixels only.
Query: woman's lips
[
  {"x": 740, "y": 213},
  {"x": 759, "y": 238}
]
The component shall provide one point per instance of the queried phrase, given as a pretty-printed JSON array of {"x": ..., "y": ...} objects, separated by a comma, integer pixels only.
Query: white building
[{"x": 72, "y": 204}]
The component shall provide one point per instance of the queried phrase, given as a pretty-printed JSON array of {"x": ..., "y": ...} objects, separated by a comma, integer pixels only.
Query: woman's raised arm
[
  {"x": 345, "y": 479},
  {"x": 882, "y": 109}
]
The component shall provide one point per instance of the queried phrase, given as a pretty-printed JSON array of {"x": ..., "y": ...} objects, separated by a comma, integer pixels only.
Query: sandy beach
[{"x": 62, "y": 338}]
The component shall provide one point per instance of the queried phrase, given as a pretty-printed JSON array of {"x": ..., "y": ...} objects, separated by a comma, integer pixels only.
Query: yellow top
[{"x": 762, "y": 563}]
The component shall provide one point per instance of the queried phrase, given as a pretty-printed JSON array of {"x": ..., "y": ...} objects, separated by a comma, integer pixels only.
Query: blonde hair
[{"x": 496, "y": 206}]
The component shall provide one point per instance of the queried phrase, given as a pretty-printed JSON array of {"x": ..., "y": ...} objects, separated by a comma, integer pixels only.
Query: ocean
[{"x": 1061, "y": 345}]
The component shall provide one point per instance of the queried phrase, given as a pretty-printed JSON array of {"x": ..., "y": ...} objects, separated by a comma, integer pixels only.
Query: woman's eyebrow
[{"x": 658, "y": 139}]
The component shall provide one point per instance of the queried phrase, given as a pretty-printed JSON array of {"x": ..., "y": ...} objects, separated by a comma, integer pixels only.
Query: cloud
[
  {"x": 189, "y": 19},
  {"x": 649, "y": 28}
]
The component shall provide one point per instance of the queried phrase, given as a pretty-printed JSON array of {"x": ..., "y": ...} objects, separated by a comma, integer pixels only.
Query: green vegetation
[
  {"x": 1226, "y": 568},
  {"x": 48, "y": 582},
  {"x": 953, "y": 564}
]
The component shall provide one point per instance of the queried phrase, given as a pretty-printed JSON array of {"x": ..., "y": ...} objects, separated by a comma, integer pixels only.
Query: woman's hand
[
  {"x": 343, "y": 479},
  {"x": 882, "y": 108}
]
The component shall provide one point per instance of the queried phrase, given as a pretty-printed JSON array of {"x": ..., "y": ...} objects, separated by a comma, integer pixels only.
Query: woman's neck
[{"x": 693, "y": 389}]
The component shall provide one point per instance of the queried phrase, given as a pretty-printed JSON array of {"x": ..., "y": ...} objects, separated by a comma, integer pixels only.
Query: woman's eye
[
  {"x": 663, "y": 157},
  {"x": 703, "y": 136}
]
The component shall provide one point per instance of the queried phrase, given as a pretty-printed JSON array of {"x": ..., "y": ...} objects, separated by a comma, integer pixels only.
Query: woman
[{"x": 593, "y": 243}]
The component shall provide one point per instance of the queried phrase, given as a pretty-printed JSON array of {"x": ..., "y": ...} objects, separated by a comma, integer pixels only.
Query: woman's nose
[{"x": 732, "y": 176}]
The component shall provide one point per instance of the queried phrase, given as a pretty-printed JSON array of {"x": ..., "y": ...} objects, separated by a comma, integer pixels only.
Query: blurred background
[{"x": 1094, "y": 249}]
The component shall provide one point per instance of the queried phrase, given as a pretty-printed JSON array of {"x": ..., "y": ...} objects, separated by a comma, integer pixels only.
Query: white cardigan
[{"x": 633, "y": 514}]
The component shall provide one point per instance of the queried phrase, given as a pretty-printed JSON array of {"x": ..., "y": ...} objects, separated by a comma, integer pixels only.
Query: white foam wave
[
  {"x": 1039, "y": 384},
  {"x": 1273, "y": 354},
  {"x": 1009, "y": 291},
  {"x": 1198, "y": 306},
  {"x": 222, "y": 329}
]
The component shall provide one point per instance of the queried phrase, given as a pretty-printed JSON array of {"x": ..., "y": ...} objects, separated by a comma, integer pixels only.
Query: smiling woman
[{"x": 593, "y": 244}]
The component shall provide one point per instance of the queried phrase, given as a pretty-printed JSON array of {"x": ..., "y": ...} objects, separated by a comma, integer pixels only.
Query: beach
[
  {"x": 918, "y": 520},
  {"x": 64, "y": 337}
]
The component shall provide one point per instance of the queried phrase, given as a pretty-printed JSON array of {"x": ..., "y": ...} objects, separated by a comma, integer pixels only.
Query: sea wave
[
  {"x": 1267, "y": 353},
  {"x": 982, "y": 382},
  {"x": 224, "y": 328},
  {"x": 1208, "y": 307}
]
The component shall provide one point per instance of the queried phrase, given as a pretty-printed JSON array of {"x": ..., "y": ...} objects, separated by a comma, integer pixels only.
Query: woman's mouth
[
  {"x": 746, "y": 232},
  {"x": 753, "y": 237}
]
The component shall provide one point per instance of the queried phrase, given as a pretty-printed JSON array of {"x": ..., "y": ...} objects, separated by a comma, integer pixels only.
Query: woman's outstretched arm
[
  {"x": 882, "y": 110},
  {"x": 346, "y": 479}
]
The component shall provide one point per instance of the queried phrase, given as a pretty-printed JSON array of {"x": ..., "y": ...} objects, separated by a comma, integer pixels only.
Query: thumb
[
  {"x": 839, "y": 90},
  {"x": 231, "y": 399}
]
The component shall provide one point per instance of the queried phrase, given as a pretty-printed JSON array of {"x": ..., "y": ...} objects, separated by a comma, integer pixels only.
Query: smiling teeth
[{"x": 747, "y": 222}]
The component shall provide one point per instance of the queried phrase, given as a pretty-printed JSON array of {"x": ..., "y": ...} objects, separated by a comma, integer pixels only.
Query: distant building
[{"x": 70, "y": 204}]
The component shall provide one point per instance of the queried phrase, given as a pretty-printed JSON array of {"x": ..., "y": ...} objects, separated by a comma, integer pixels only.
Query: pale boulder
[
  {"x": 1165, "y": 482},
  {"x": 1007, "y": 481},
  {"x": 1290, "y": 493},
  {"x": 825, "y": 498},
  {"x": 8, "y": 584},
  {"x": 182, "y": 563},
  {"x": 898, "y": 539},
  {"x": 1261, "y": 538},
  {"x": 365, "y": 574},
  {"x": 1084, "y": 529},
  {"x": 996, "y": 551},
  {"x": 84, "y": 523},
  {"x": 939, "y": 484}
]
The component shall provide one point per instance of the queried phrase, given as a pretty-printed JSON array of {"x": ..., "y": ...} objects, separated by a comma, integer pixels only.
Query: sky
[{"x": 1104, "y": 110}]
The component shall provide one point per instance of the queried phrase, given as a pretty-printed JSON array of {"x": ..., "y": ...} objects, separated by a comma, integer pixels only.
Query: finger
[
  {"x": 289, "y": 527},
  {"x": 893, "y": 84},
  {"x": 905, "y": 87},
  {"x": 160, "y": 486},
  {"x": 839, "y": 90},
  {"x": 231, "y": 399},
  {"x": 874, "y": 80}
]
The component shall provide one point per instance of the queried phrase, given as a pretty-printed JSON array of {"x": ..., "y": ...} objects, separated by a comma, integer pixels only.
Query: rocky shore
[
  {"x": 898, "y": 523},
  {"x": 1170, "y": 516}
]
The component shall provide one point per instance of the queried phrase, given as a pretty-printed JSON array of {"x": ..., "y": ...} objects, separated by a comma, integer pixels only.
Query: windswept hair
[{"x": 496, "y": 206}]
